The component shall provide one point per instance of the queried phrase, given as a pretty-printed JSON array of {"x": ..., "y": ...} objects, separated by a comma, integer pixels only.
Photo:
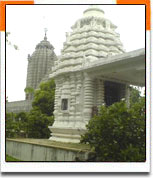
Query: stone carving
[
  {"x": 92, "y": 39},
  {"x": 39, "y": 64}
]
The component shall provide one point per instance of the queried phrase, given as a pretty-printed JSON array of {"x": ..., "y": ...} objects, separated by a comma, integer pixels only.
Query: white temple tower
[{"x": 80, "y": 92}]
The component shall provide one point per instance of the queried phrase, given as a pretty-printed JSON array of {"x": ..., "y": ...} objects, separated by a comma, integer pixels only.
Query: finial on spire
[
  {"x": 45, "y": 29},
  {"x": 94, "y": 10}
]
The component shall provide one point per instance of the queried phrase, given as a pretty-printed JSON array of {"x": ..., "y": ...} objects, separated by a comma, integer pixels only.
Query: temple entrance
[{"x": 114, "y": 92}]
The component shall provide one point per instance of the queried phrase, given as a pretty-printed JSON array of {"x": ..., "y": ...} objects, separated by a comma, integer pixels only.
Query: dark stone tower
[{"x": 39, "y": 65}]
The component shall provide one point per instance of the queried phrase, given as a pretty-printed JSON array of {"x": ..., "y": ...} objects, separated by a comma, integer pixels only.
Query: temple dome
[
  {"x": 40, "y": 64},
  {"x": 93, "y": 37}
]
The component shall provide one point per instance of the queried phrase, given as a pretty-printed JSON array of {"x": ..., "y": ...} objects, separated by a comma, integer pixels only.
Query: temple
[
  {"x": 93, "y": 70},
  {"x": 40, "y": 64},
  {"x": 39, "y": 67}
]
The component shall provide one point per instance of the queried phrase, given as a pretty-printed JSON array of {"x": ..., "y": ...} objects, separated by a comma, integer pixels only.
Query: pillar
[
  {"x": 88, "y": 97},
  {"x": 56, "y": 108},
  {"x": 72, "y": 98},
  {"x": 100, "y": 92}
]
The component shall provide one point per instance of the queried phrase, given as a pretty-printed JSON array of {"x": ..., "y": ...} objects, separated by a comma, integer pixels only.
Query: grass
[{"x": 11, "y": 159}]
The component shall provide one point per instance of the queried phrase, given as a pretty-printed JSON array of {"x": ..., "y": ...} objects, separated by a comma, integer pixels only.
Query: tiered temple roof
[
  {"x": 40, "y": 64},
  {"x": 93, "y": 37}
]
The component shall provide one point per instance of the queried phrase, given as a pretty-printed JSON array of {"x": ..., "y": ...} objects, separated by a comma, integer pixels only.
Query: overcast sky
[{"x": 26, "y": 24}]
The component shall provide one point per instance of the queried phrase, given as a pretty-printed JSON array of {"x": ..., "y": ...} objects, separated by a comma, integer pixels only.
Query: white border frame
[{"x": 74, "y": 167}]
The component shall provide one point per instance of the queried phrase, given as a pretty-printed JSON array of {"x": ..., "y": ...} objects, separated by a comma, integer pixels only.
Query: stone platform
[{"x": 46, "y": 150}]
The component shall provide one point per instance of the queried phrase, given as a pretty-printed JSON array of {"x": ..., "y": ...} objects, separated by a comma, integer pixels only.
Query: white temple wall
[
  {"x": 70, "y": 88},
  {"x": 82, "y": 94}
]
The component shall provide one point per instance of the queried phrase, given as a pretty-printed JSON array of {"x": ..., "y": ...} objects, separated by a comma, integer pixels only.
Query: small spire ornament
[{"x": 45, "y": 29}]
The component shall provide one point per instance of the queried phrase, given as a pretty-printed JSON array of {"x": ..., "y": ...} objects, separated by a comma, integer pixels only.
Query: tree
[
  {"x": 38, "y": 124},
  {"x": 44, "y": 98},
  {"x": 29, "y": 90},
  {"x": 22, "y": 121},
  {"x": 135, "y": 95},
  {"x": 35, "y": 123},
  {"x": 118, "y": 133},
  {"x": 41, "y": 115},
  {"x": 11, "y": 126},
  {"x": 16, "y": 124}
]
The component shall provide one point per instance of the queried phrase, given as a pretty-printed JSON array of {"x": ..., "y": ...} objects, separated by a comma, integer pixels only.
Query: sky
[{"x": 26, "y": 25}]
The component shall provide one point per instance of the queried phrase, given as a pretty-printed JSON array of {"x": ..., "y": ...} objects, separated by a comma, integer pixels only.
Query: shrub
[
  {"x": 38, "y": 124},
  {"x": 118, "y": 133}
]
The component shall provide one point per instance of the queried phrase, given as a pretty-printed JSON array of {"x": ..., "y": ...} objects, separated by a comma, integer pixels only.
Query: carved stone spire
[
  {"x": 45, "y": 38},
  {"x": 39, "y": 64}
]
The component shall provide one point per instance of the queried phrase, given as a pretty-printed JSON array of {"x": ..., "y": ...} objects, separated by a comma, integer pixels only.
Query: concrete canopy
[{"x": 127, "y": 68}]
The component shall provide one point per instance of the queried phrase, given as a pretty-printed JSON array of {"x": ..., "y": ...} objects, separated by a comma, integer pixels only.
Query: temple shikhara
[
  {"x": 92, "y": 70},
  {"x": 39, "y": 65}
]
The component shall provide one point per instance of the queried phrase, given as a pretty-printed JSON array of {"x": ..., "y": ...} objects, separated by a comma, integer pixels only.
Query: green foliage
[
  {"x": 10, "y": 158},
  {"x": 35, "y": 123},
  {"x": 22, "y": 120},
  {"x": 16, "y": 124},
  {"x": 38, "y": 124},
  {"x": 41, "y": 115},
  {"x": 11, "y": 126},
  {"x": 29, "y": 90},
  {"x": 21, "y": 116},
  {"x": 135, "y": 95},
  {"x": 9, "y": 42},
  {"x": 117, "y": 134},
  {"x": 44, "y": 98}
]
